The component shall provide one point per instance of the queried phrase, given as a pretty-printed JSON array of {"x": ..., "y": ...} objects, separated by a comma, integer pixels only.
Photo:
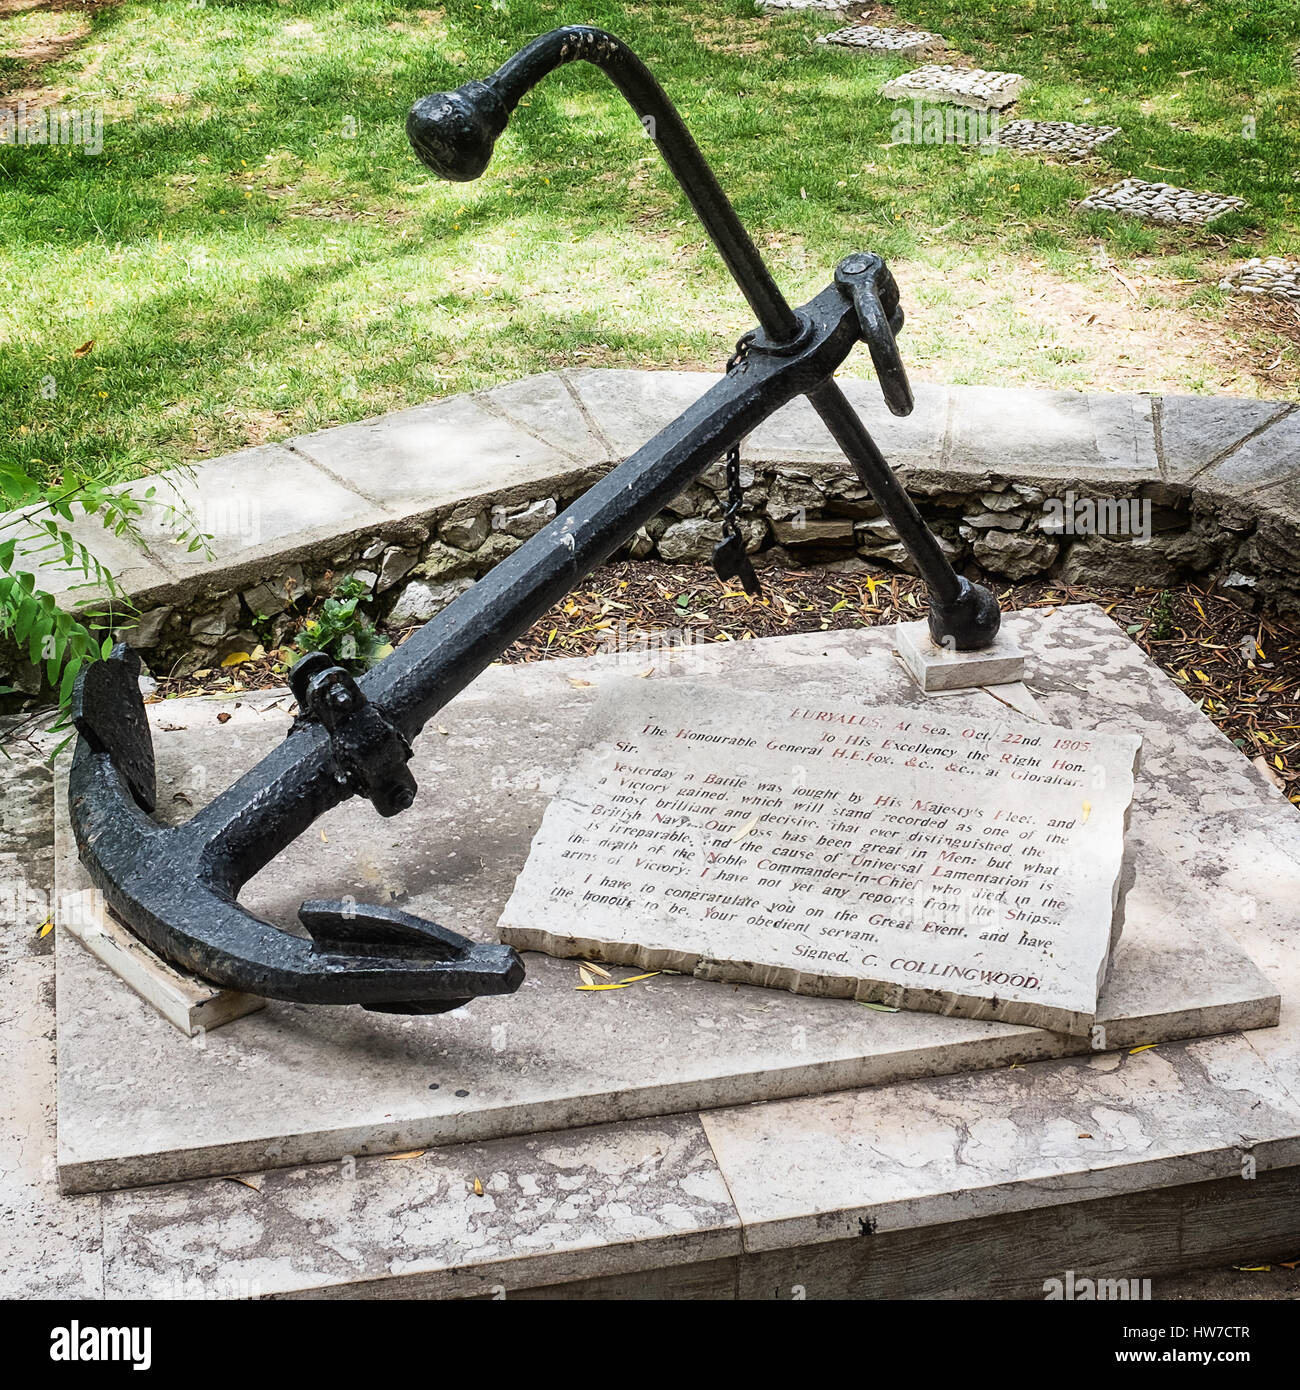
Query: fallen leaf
[
  {"x": 46, "y": 928},
  {"x": 478, "y": 1187},
  {"x": 223, "y": 717},
  {"x": 236, "y": 659},
  {"x": 598, "y": 969},
  {"x": 596, "y": 987},
  {"x": 1143, "y": 1047},
  {"x": 1087, "y": 811},
  {"x": 631, "y": 979},
  {"x": 579, "y": 684},
  {"x": 410, "y": 1153},
  {"x": 879, "y": 1008},
  {"x": 1261, "y": 763},
  {"x": 744, "y": 829},
  {"x": 85, "y": 349},
  {"x": 586, "y": 976},
  {"x": 254, "y": 1183}
]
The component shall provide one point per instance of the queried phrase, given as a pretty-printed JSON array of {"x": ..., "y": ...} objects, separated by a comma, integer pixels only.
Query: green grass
[{"x": 256, "y": 252}]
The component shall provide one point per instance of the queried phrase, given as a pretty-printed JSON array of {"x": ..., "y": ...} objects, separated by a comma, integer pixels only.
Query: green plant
[
  {"x": 342, "y": 631},
  {"x": 1161, "y": 616},
  {"x": 34, "y": 537}
]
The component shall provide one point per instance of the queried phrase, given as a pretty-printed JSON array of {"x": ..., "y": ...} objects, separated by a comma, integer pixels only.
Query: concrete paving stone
[
  {"x": 1271, "y": 457},
  {"x": 140, "y": 569},
  {"x": 1197, "y": 430},
  {"x": 978, "y": 88},
  {"x": 795, "y": 434},
  {"x": 544, "y": 406},
  {"x": 911, "y": 42},
  {"x": 255, "y": 505},
  {"x": 1052, "y": 435},
  {"x": 419, "y": 461},
  {"x": 1052, "y": 1133},
  {"x": 582, "y": 1204},
  {"x": 629, "y": 408}
]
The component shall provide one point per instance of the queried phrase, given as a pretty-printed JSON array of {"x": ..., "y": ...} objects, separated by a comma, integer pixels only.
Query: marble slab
[
  {"x": 928, "y": 1153},
  {"x": 295, "y": 1084},
  {"x": 934, "y": 667},
  {"x": 472, "y": 1220},
  {"x": 922, "y": 860}
]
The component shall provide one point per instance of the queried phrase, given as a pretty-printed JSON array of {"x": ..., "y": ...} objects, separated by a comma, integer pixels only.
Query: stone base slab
[{"x": 293, "y": 1084}]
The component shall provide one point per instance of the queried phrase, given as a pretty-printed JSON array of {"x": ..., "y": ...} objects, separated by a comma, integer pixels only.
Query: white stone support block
[{"x": 936, "y": 668}]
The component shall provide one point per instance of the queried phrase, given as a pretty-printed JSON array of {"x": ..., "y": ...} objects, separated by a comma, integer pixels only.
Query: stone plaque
[{"x": 911, "y": 858}]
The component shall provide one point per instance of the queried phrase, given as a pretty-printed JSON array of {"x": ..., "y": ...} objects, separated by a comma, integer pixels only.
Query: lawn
[{"x": 255, "y": 252}]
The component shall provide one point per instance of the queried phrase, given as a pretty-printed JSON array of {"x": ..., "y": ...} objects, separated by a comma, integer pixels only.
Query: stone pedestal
[{"x": 936, "y": 668}]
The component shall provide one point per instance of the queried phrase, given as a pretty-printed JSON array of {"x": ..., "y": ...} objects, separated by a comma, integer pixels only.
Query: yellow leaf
[
  {"x": 1143, "y": 1047},
  {"x": 1200, "y": 675},
  {"x": 46, "y": 928},
  {"x": 478, "y": 1187},
  {"x": 633, "y": 978},
  {"x": 596, "y": 987},
  {"x": 1253, "y": 1269},
  {"x": 199, "y": 675},
  {"x": 598, "y": 969},
  {"x": 410, "y": 1153},
  {"x": 1277, "y": 758},
  {"x": 236, "y": 659},
  {"x": 1087, "y": 811}
]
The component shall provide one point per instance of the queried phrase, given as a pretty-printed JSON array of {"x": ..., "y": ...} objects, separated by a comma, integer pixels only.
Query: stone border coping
[{"x": 420, "y": 502}]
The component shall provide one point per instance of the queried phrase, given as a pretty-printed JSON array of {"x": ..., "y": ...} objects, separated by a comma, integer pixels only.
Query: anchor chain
[{"x": 730, "y": 560}]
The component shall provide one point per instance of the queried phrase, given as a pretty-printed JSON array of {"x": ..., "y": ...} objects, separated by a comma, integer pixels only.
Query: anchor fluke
[{"x": 469, "y": 968}]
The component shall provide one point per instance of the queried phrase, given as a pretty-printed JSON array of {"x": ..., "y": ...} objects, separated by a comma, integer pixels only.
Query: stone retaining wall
[{"x": 420, "y": 503}]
